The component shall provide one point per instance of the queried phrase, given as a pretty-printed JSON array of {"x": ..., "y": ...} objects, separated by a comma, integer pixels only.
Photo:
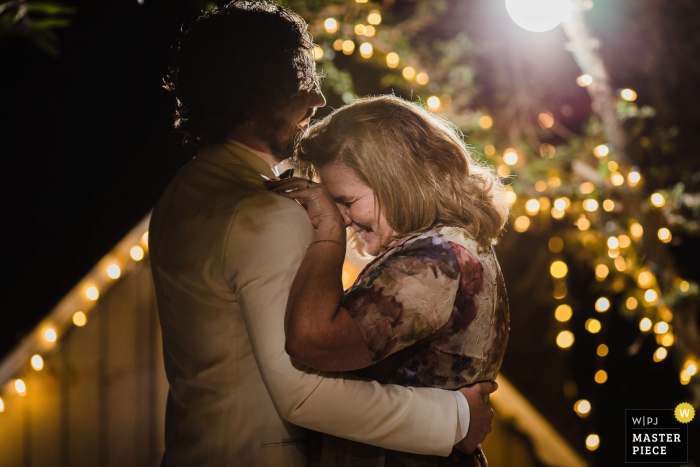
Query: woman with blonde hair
[{"x": 430, "y": 309}]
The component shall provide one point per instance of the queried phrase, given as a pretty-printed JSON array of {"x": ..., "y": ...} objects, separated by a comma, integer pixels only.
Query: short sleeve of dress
[{"x": 405, "y": 296}]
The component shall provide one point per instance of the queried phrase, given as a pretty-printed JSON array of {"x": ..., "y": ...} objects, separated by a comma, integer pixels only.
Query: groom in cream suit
[{"x": 224, "y": 252}]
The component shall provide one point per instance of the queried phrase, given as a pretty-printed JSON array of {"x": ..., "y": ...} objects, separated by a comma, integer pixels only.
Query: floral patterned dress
[{"x": 434, "y": 313}]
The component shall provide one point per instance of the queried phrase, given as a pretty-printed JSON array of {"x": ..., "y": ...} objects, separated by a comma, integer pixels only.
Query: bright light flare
[
  {"x": 37, "y": 362},
  {"x": 50, "y": 335},
  {"x": 434, "y": 102},
  {"x": 331, "y": 25},
  {"x": 584, "y": 80},
  {"x": 592, "y": 442},
  {"x": 538, "y": 15}
]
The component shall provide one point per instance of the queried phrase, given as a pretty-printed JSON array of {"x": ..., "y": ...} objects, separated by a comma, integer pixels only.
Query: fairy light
[
  {"x": 79, "y": 318},
  {"x": 541, "y": 186},
  {"x": 633, "y": 178},
  {"x": 624, "y": 241},
  {"x": 113, "y": 271},
  {"x": 331, "y": 25},
  {"x": 584, "y": 80},
  {"x": 374, "y": 17},
  {"x": 613, "y": 252},
  {"x": 667, "y": 340},
  {"x": 392, "y": 60},
  {"x": 486, "y": 122},
  {"x": 582, "y": 407},
  {"x": 37, "y": 362},
  {"x": 602, "y": 305},
  {"x": 608, "y": 205},
  {"x": 433, "y": 102},
  {"x": 563, "y": 313},
  {"x": 601, "y": 376},
  {"x": 601, "y": 272},
  {"x": 144, "y": 237},
  {"x": 593, "y": 326},
  {"x": 613, "y": 242},
  {"x": 665, "y": 235},
  {"x": 489, "y": 149},
  {"x": 532, "y": 207},
  {"x": 338, "y": 45},
  {"x": 631, "y": 303},
  {"x": 50, "y": 335},
  {"x": 601, "y": 151},
  {"x": 644, "y": 279},
  {"x": 20, "y": 387},
  {"x": 636, "y": 230},
  {"x": 510, "y": 157},
  {"x": 583, "y": 223},
  {"x": 366, "y": 50},
  {"x": 409, "y": 73},
  {"x": 561, "y": 204},
  {"x": 565, "y": 339},
  {"x": 628, "y": 95},
  {"x": 360, "y": 29},
  {"x": 590, "y": 205},
  {"x": 602, "y": 350},
  {"x": 522, "y": 223},
  {"x": 613, "y": 166},
  {"x": 555, "y": 244},
  {"x": 348, "y": 47},
  {"x": 685, "y": 378},
  {"x": 685, "y": 286},
  {"x": 661, "y": 327},
  {"x": 586, "y": 188},
  {"x": 554, "y": 182},
  {"x": 318, "y": 55},
  {"x": 657, "y": 199},
  {"x": 650, "y": 296},
  {"x": 370, "y": 31},
  {"x": 691, "y": 367},
  {"x": 645, "y": 324},
  {"x": 422, "y": 79},
  {"x": 136, "y": 253},
  {"x": 546, "y": 120},
  {"x": 544, "y": 203},
  {"x": 592, "y": 442},
  {"x": 92, "y": 293},
  {"x": 558, "y": 269},
  {"x": 560, "y": 290},
  {"x": 617, "y": 179},
  {"x": 660, "y": 354},
  {"x": 511, "y": 197},
  {"x": 2, "y": 405}
]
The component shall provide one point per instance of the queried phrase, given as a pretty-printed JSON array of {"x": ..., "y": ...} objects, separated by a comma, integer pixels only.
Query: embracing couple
[{"x": 270, "y": 362}]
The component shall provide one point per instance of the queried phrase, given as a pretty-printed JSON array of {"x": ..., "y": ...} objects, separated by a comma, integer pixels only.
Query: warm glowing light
[
  {"x": 590, "y": 205},
  {"x": 558, "y": 269},
  {"x": 366, "y": 50},
  {"x": 586, "y": 188},
  {"x": 556, "y": 244},
  {"x": 691, "y": 368},
  {"x": 661, "y": 327},
  {"x": 582, "y": 407},
  {"x": 37, "y": 362},
  {"x": 547, "y": 150},
  {"x": 486, "y": 122},
  {"x": 557, "y": 214},
  {"x": 113, "y": 271},
  {"x": 645, "y": 324},
  {"x": 584, "y": 80},
  {"x": 392, "y": 60},
  {"x": 592, "y": 442},
  {"x": 644, "y": 279},
  {"x": 136, "y": 253},
  {"x": 657, "y": 199},
  {"x": 602, "y": 304},
  {"x": 560, "y": 204},
  {"x": 613, "y": 242},
  {"x": 541, "y": 186},
  {"x": 613, "y": 252},
  {"x": 50, "y": 335},
  {"x": 665, "y": 235},
  {"x": 667, "y": 340},
  {"x": 2, "y": 405},
  {"x": 361, "y": 1},
  {"x": 370, "y": 31},
  {"x": 565, "y": 339},
  {"x": 544, "y": 203},
  {"x": 522, "y": 223},
  {"x": 582, "y": 223},
  {"x": 617, "y": 179},
  {"x": 318, "y": 55},
  {"x": 532, "y": 206},
  {"x": 348, "y": 47},
  {"x": 601, "y": 272},
  {"x": 560, "y": 290},
  {"x": 434, "y": 102},
  {"x": 613, "y": 166},
  {"x": 628, "y": 95},
  {"x": 660, "y": 354},
  {"x": 602, "y": 350},
  {"x": 650, "y": 296},
  {"x": 601, "y": 151},
  {"x": 685, "y": 286},
  {"x": 601, "y": 376},
  {"x": 20, "y": 387},
  {"x": 490, "y": 150},
  {"x": 504, "y": 171},
  {"x": 563, "y": 313},
  {"x": 360, "y": 29},
  {"x": 511, "y": 197},
  {"x": 631, "y": 303},
  {"x": 624, "y": 241},
  {"x": 546, "y": 120},
  {"x": 144, "y": 237},
  {"x": 92, "y": 293},
  {"x": 510, "y": 157},
  {"x": 608, "y": 205},
  {"x": 422, "y": 79},
  {"x": 636, "y": 230},
  {"x": 554, "y": 182},
  {"x": 633, "y": 178},
  {"x": 374, "y": 17},
  {"x": 331, "y": 25},
  {"x": 409, "y": 73},
  {"x": 338, "y": 45},
  {"x": 620, "y": 263},
  {"x": 593, "y": 326},
  {"x": 540, "y": 15},
  {"x": 79, "y": 318}
]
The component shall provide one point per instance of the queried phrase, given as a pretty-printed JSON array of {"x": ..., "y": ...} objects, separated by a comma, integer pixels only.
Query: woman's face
[{"x": 356, "y": 202}]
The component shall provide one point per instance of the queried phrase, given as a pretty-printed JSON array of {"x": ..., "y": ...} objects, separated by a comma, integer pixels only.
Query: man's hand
[{"x": 480, "y": 415}]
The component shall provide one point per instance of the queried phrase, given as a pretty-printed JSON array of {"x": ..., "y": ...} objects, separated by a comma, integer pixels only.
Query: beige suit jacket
[{"x": 224, "y": 252}]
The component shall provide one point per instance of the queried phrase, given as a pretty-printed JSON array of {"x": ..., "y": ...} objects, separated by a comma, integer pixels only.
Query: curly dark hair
[{"x": 238, "y": 62}]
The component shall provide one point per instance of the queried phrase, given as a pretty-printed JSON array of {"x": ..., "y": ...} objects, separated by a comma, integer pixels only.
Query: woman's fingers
[{"x": 287, "y": 184}]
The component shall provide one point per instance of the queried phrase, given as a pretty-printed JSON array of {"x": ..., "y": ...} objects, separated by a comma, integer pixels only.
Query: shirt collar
[{"x": 276, "y": 167}]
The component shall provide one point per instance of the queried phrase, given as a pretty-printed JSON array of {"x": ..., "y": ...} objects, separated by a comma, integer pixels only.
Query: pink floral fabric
[{"x": 434, "y": 313}]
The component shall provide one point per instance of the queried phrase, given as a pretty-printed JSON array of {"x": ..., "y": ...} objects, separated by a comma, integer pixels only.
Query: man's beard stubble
[{"x": 279, "y": 136}]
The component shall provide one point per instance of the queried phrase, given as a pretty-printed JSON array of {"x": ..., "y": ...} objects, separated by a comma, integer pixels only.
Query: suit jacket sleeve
[{"x": 266, "y": 243}]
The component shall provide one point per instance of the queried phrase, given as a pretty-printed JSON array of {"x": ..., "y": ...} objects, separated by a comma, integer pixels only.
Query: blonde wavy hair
[{"x": 415, "y": 162}]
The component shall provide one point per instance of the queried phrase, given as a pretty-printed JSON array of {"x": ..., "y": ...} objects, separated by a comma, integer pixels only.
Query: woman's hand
[{"x": 319, "y": 204}]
